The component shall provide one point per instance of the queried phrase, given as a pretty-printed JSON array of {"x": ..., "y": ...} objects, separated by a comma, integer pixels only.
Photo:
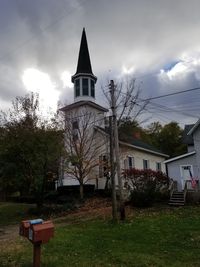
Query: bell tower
[{"x": 84, "y": 80}]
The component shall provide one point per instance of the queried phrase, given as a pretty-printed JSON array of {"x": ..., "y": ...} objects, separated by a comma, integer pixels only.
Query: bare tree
[
  {"x": 127, "y": 98},
  {"x": 84, "y": 144}
]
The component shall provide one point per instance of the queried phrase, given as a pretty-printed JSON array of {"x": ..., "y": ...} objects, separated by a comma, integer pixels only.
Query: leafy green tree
[
  {"x": 170, "y": 139},
  {"x": 152, "y": 133},
  {"x": 167, "y": 138},
  {"x": 30, "y": 148},
  {"x": 129, "y": 128}
]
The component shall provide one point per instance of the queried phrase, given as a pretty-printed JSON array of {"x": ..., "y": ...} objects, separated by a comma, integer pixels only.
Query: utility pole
[
  {"x": 116, "y": 149},
  {"x": 112, "y": 167}
]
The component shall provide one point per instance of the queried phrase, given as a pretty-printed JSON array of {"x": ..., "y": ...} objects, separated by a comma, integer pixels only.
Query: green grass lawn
[
  {"x": 12, "y": 213},
  {"x": 152, "y": 237}
]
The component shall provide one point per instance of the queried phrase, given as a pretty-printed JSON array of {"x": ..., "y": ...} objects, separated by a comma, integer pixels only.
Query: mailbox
[
  {"x": 24, "y": 228},
  {"x": 38, "y": 232},
  {"x": 41, "y": 232}
]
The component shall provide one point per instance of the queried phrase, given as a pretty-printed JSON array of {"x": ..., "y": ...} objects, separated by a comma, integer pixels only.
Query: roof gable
[
  {"x": 188, "y": 139},
  {"x": 194, "y": 128},
  {"x": 83, "y": 103}
]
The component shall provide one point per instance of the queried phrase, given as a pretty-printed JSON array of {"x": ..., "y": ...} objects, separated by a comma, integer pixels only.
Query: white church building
[{"x": 85, "y": 125}]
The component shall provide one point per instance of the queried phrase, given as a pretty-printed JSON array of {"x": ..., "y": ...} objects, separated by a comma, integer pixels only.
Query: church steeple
[{"x": 84, "y": 80}]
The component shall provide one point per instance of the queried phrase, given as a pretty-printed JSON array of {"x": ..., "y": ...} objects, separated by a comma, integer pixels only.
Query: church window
[
  {"x": 103, "y": 166},
  {"x": 92, "y": 88},
  {"x": 75, "y": 124},
  {"x": 75, "y": 130},
  {"x": 85, "y": 86},
  {"x": 77, "y": 87}
]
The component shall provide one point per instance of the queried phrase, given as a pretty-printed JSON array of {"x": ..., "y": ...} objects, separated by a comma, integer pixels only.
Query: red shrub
[{"x": 145, "y": 185}]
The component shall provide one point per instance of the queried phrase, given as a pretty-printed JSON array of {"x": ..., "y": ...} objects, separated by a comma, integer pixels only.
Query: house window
[
  {"x": 158, "y": 166},
  {"x": 77, "y": 88},
  {"x": 186, "y": 167},
  {"x": 145, "y": 164},
  {"x": 92, "y": 88},
  {"x": 85, "y": 86},
  {"x": 129, "y": 162}
]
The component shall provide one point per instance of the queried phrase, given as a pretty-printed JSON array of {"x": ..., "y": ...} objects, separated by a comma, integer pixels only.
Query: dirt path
[
  {"x": 8, "y": 232},
  {"x": 95, "y": 208},
  {"x": 8, "y": 237},
  {"x": 92, "y": 209}
]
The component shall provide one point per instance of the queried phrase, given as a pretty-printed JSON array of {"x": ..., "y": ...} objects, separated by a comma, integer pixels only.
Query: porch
[{"x": 189, "y": 194}]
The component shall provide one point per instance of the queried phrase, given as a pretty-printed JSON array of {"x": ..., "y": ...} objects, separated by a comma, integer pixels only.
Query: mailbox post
[
  {"x": 38, "y": 232},
  {"x": 36, "y": 254}
]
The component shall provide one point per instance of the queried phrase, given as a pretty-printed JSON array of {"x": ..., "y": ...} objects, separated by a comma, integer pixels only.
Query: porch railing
[
  {"x": 171, "y": 187},
  {"x": 185, "y": 190},
  {"x": 190, "y": 186}
]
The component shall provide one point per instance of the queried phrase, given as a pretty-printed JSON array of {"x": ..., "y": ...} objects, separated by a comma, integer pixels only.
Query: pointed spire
[{"x": 84, "y": 64}]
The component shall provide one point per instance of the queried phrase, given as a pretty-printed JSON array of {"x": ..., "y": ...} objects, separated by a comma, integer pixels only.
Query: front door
[{"x": 186, "y": 174}]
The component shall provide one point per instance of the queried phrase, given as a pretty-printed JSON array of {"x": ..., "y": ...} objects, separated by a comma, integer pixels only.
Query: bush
[
  {"x": 75, "y": 189},
  {"x": 141, "y": 199},
  {"x": 146, "y": 186}
]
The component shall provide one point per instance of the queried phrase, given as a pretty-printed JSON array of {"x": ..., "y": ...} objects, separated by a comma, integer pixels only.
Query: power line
[
  {"x": 171, "y": 94},
  {"x": 166, "y": 95},
  {"x": 168, "y": 109}
]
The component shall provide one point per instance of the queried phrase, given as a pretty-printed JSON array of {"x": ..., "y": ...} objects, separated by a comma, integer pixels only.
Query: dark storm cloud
[
  {"x": 145, "y": 35},
  {"x": 10, "y": 83}
]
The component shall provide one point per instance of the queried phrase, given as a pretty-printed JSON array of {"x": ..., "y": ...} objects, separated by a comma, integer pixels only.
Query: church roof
[
  {"x": 134, "y": 142},
  {"x": 83, "y": 103},
  {"x": 84, "y": 64},
  {"x": 137, "y": 144}
]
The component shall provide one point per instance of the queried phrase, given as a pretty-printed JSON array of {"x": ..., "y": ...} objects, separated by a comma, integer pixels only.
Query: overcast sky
[{"x": 155, "y": 41}]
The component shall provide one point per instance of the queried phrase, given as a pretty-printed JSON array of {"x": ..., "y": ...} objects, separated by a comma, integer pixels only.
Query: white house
[
  {"x": 85, "y": 110},
  {"x": 186, "y": 168}
]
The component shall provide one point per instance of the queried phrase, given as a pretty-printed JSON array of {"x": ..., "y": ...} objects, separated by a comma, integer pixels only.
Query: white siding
[
  {"x": 196, "y": 137},
  {"x": 139, "y": 156},
  {"x": 97, "y": 119},
  {"x": 174, "y": 169}
]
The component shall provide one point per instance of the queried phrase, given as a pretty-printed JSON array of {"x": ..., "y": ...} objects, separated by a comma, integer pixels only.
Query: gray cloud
[{"x": 144, "y": 35}]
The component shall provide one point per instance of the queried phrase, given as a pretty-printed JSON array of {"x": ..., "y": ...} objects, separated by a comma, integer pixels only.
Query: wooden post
[
  {"x": 114, "y": 200},
  {"x": 36, "y": 254},
  {"x": 116, "y": 149}
]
